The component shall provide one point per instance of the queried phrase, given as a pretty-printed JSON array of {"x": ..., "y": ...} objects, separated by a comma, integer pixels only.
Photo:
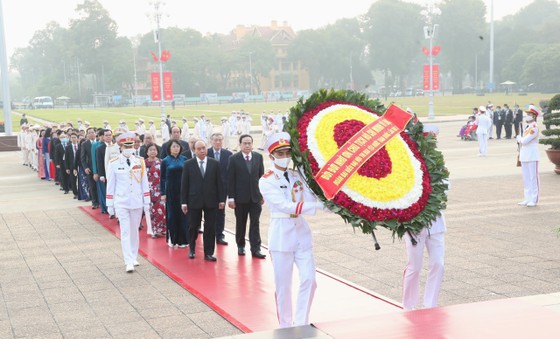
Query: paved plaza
[{"x": 62, "y": 274}]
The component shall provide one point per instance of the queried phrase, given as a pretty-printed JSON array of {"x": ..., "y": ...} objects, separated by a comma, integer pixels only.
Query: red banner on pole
[
  {"x": 435, "y": 76},
  {"x": 362, "y": 146},
  {"x": 156, "y": 91},
  {"x": 167, "y": 86}
]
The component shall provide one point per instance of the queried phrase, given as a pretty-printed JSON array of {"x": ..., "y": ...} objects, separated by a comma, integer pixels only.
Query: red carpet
[
  {"x": 241, "y": 289},
  {"x": 507, "y": 318}
]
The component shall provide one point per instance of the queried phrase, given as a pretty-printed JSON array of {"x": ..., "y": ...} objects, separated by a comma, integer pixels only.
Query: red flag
[
  {"x": 165, "y": 55},
  {"x": 425, "y": 50},
  {"x": 155, "y": 57},
  {"x": 436, "y": 50}
]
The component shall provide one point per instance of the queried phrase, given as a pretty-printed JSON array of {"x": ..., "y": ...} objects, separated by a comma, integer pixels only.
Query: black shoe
[
  {"x": 65, "y": 192},
  {"x": 221, "y": 242},
  {"x": 112, "y": 216},
  {"x": 240, "y": 251},
  {"x": 75, "y": 197},
  {"x": 94, "y": 207},
  {"x": 191, "y": 255},
  {"x": 104, "y": 212},
  {"x": 259, "y": 255},
  {"x": 209, "y": 257}
]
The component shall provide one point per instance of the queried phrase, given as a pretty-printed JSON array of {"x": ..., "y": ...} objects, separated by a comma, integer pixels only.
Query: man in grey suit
[
  {"x": 222, "y": 156},
  {"x": 244, "y": 171},
  {"x": 202, "y": 191}
]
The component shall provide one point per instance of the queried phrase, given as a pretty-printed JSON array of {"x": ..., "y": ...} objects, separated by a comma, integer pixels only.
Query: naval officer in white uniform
[
  {"x": 128, "y": 194},
  {"x": 529, "y": 157},
  {"x": 289, "y": 236}
]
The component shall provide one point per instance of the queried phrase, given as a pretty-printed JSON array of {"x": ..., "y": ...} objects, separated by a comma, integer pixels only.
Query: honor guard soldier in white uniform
[
  {"x": 128, "y": 194},
  {"x": 529, "y": 157},
  {"x": 289, "y": 236},
  {"x": 431, "y": 238}
]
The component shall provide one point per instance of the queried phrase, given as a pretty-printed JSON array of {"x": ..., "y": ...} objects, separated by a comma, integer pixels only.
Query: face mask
[
  {"x": 282, "y": 163},
  {"x": 127, "y": 152},
  {"x": 528, "y": 118},
  {"x": 64, "y": 140}
]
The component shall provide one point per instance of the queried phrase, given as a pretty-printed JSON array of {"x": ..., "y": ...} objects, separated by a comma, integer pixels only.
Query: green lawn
[{"x": 443, "y": 105}]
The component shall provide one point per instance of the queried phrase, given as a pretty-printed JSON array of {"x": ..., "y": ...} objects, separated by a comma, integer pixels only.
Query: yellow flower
[{"x": 399, "y": 189}]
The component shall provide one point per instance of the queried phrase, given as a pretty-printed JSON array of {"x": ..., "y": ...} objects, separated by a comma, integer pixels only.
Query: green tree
[
  {"x": 542, "y": 68},
  {"x": 258, "y": 55},
  {"x": 536, "y": 23},
  {"x": 462, "y": 24},
  {"x": 97, "y": 49},
  {"x": 393, "y": 30},
  {"x": 310, "y": 47}
]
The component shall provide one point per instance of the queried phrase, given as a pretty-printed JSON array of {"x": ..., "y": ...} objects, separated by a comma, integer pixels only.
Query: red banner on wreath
[
  {"x": 167, "y": 86},
  {"x": 359, "y": 149}
]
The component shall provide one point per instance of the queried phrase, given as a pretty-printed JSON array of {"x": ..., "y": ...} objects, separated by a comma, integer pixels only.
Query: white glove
[
  {"x": 147, "y": 209},
  {"x": 111, "y": 210},
  {"x": 518, "y": 139},
  {"x": 319, "y": 205}
]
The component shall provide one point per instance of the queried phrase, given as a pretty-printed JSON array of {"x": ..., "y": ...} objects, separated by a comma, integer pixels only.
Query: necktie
[
  {"x": 75, "y": 149},
  {"x": 217, "y": 155},
  {"x": 248, "y": 163},
  {"x": 286, "y": 176},
  {"x": 202, "y": 168},
  {"x": 128, "y": 161}
]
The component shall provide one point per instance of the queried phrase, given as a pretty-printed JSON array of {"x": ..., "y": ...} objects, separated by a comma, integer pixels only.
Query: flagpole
[{"x": 5, "y": 80}]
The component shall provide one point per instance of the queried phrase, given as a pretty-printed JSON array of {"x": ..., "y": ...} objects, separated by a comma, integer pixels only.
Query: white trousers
[
  {"x": 530, "y": 171},
  {"x": 482, "y": 143},
  {"x": 435, "y": 245},
  {"x": 25, "y": 153},
  {"x": 283, "y": 264},
  {"x": 129, "y": 220}
]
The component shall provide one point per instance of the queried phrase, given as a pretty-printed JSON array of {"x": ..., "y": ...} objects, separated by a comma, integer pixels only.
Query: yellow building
[{"x": 286, "y": 76}]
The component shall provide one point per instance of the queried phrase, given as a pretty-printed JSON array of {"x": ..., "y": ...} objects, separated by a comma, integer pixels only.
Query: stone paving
[{"x": 61, "y": 273}]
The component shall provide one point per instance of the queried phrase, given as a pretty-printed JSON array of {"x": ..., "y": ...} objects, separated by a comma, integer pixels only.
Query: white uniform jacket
[
  {"x": 288, "y": 230},
  {"x": 127, "y": 186},
  {"x": 530, "y": 143}
]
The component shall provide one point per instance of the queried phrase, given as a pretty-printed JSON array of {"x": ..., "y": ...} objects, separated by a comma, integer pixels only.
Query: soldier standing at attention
[
  {"x": 128, "y": 193},
  {"x": 289, "y": 236}
]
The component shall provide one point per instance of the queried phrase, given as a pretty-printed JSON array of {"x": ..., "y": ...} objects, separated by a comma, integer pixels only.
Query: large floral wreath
[{"x": 401, "y": 187}]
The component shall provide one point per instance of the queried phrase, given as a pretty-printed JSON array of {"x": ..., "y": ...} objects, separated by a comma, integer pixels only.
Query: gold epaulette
[{"x": 113, "y": 159}]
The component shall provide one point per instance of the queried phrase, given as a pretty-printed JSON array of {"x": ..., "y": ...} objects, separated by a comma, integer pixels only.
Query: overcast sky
[{"x": 23, "y": 17}]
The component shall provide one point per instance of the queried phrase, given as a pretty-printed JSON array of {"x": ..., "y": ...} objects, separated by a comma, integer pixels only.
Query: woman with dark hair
[
  {"x": 45, "y": 151},
  {"x": 41, "y": 160},
  {"x": 83, "y": 183},
  {"x": 157, "y": 207},
  {"x": 170, "y": 187}
]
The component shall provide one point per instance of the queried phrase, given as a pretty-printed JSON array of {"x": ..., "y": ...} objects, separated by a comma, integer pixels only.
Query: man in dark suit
[
  {"x": 245, "y": 168},
  {"x": 202, "y": 191},
  {"x": 55, "y": 141},
  {"x": 105, "y": 140},
  {"x": 87, "y": 164},
  {"x": 148, "y": 139},
  {"x": 176, "y": 135},
  {"x": 60, "y": 151},
  {"x": 222, "y": 155},
  {"x": 71, "y": 159}
]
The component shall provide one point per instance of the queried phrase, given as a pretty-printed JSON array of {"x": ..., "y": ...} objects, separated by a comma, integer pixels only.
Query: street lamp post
[
  {"x": 431, "y": 32},
  {"x": 157, "y": 17},
  {"x": 251, "y": 72},
  {"x": 5, "y": 81}
]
